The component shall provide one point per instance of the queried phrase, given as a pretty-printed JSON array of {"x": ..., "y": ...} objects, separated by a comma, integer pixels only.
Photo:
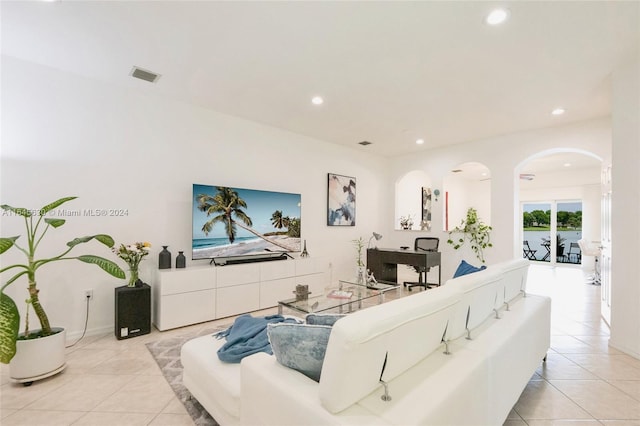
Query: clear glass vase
[{"x": 133, "y": 277}]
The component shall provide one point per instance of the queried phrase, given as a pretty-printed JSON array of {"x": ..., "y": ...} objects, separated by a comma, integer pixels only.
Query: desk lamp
[{"x": 376, "y": 236}]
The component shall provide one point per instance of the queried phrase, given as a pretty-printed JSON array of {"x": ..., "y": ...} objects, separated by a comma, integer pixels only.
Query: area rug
[{"x": 166, "y": 352}]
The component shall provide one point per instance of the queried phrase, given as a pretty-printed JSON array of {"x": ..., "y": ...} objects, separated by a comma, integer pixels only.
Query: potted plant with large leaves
[{"x": 16, "y": 348}]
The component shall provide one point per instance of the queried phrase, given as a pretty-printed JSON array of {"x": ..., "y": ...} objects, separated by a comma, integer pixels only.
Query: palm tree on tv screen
[
  {"x": 277, "y": 220},
  {"x": 226, "y": 207}
]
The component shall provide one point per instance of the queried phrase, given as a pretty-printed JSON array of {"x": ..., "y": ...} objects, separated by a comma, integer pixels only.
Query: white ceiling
[{"x": 390, "y": 72}]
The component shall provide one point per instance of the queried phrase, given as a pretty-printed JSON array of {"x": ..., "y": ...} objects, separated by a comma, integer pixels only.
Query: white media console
[{"x": 204, "y": 293}]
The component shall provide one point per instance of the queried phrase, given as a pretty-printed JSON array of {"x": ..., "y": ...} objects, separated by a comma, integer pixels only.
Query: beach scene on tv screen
[{"x": 231, "y": 222}]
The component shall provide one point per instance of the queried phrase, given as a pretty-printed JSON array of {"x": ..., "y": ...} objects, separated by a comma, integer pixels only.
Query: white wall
[
  {"x": 625, "y": 210},
  {"x": 408, "y": 195},
  {"x": 464, "y": 194},
  {"x": 117, "y": 149}
]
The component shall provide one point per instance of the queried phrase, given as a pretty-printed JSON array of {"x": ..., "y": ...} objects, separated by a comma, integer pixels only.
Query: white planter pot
[{"x": 37, "y": 359}]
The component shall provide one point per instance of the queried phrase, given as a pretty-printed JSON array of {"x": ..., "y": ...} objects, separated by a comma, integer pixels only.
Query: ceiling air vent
[
  {"x": 145, "y": 75},
  {"x": 365, "y": 143}
]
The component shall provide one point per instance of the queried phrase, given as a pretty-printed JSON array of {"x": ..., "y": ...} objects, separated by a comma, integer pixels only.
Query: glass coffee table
[{"x": 346, "y": 298}]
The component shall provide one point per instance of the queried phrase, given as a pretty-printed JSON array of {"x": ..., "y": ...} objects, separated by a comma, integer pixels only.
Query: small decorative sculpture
[
  {"x": 302, "y": 292},
  {"x": 370, "y": 278},
  {"x": 304, "y": 253}
]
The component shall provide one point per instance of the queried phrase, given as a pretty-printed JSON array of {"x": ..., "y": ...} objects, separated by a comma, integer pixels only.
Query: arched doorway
[
  {"x": 556, "y": 179},
  {"x": 559, "y": 193}
]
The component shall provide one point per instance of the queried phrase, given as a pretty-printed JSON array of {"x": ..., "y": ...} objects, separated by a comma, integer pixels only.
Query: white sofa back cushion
[
  {"x": 393, "y": 336},
  {"x": 478, "y": 300},
  {"x": 515, "y": 277}
]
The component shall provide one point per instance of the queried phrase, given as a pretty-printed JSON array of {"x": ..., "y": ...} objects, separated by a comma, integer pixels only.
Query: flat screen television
[{"x": 244, "y": 224}]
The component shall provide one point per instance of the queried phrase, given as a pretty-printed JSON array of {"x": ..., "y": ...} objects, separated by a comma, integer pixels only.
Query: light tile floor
[
  {"x": 584, "y": 381},
  {"x": 117, "y": 382}
]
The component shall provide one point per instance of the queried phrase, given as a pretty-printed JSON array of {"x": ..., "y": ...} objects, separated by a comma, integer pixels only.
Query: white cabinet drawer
[
  {"x": 176, "y": 281},
  {"x": 311, "y": 265},
  {"x": 237, "y": 299},
  {"x": 277, "y": 269},
  {"x": 231, "y": 275},
  {"x": 178, "y": 310}
]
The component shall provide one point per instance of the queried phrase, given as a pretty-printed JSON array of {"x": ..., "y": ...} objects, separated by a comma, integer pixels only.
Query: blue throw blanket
[{"x": 247, "y": 336}]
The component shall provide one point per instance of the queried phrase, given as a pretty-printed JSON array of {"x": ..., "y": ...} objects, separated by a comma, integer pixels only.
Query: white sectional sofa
[{"x": 476, "y": 382}]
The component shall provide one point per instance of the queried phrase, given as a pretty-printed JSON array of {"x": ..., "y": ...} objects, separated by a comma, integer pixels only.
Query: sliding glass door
[
  {"x": 569, "y": 231},
  {"x": 551, "y": 230},
  {"x": 536, "y": 231}
]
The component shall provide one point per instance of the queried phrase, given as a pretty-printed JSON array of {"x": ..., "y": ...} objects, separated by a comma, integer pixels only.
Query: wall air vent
[
  {"x": 365, "y": 143},
  {"x": 145, "y": 75}
]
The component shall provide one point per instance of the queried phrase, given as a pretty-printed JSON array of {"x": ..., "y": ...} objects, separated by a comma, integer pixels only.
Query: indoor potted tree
[{"x": 29, "y": 361}]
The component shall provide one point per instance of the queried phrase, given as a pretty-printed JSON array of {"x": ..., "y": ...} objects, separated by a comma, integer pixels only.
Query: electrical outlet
[{"x": 88, "y": 293}]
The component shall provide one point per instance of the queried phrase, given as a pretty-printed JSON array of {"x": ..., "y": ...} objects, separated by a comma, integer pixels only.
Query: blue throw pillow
[
  {"x": 465, "y": 268},
  {"x": 300, "y": 346},
  {"x": 323, "y": 319}
]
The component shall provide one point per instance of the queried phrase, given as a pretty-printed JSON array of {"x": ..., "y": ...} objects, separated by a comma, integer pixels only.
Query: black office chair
[{"x": 423, "y": 244}]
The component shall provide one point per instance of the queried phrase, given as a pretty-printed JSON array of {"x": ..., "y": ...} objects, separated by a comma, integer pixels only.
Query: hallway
[{"x": 584, "y": 381}]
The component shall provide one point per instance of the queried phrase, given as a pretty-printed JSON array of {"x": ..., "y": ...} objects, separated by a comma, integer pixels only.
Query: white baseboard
[{"x": 72, "y": 337}]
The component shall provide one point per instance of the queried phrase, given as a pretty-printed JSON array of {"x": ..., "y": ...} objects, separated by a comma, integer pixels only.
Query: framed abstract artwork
[
  {"x": 341, "y": 200},
  {"x": 425, "y": 223}
]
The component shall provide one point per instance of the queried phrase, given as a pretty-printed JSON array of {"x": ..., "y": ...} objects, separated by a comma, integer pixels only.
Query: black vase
[
  {"x": 181, "y": 261},
  {"x": 164, "y": 258}
]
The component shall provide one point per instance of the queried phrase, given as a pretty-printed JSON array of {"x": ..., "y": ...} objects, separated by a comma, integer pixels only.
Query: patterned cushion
[{"x": 300, "y": 346}]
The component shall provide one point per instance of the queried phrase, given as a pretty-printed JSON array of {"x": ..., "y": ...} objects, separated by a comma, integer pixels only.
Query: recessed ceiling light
[
  {"x": 558, "y": 111},
  {"x": 317, "y": 100},
  {"x": 497, "y": 16},
  {"x": 419, "y": 141},
  {"x": 567, "y": 164}
]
